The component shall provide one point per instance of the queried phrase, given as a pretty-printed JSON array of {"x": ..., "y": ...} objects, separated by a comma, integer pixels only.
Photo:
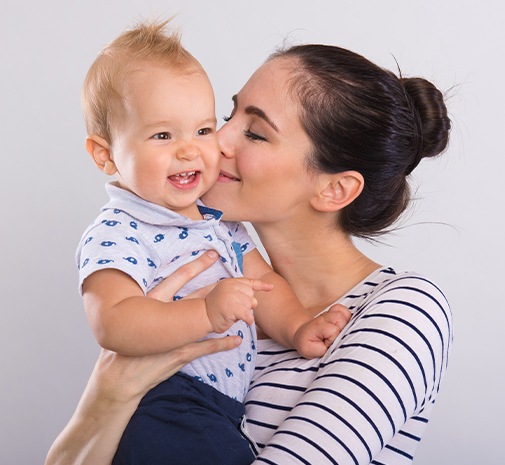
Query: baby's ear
[{"x": 99, "y": 149}]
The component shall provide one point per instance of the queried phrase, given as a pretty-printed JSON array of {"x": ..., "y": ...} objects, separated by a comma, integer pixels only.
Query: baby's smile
[{"x": 185, "y": 179}]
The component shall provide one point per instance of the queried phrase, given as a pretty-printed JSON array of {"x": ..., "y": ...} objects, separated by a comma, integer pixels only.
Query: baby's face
[{"x": 165, "y": 147}]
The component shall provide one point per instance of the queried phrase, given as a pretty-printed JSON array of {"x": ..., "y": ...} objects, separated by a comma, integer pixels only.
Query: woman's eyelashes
[
  {"x": 253, "y": 136},
  {"x": 247, "y": 132}
]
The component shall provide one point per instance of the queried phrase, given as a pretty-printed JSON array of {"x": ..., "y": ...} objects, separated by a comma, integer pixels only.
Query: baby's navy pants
[{"x": 183, "y": 421}]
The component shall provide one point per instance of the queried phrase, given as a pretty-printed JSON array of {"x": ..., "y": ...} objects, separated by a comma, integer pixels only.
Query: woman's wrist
[{"x": 93, "y": 433}]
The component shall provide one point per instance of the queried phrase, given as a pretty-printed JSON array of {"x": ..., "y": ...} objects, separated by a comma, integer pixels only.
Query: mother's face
[{"x": 264, "y": 176}]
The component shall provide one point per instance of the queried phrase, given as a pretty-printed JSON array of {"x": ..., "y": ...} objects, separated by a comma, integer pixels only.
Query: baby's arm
[
  {"x": 124, "y": 320},
  {"x": 282, "y": 317}
]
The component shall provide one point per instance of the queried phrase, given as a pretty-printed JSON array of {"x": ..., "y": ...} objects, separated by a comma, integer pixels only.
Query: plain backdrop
[{"x": 50, "y": 191}]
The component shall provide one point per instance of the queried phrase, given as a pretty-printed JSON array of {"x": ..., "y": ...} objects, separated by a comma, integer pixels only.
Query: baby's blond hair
[{"x": 102, "y": 93}]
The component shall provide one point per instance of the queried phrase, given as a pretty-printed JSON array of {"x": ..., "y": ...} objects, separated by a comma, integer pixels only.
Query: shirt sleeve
[
  {"x": 239, "y": 235},
  {"x": 113, "y": 243},
  {"x": 382, "y": 374}
]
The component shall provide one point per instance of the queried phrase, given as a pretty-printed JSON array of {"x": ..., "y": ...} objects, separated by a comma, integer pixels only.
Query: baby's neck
[{"x": 192, "y": 212}]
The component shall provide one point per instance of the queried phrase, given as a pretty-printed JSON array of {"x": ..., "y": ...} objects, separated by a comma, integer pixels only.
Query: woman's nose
[{"x": 224, "y": 140}]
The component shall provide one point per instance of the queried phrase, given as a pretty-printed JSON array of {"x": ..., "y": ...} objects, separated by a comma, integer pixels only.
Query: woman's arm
[
  {"x": 114, "y": 390},
  {"x": 369, "y": 398},
  {"x": 118, "y": 383},
  {"x": 93, "y": 433}
]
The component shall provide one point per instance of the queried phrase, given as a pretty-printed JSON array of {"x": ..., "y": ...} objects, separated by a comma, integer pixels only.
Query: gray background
[{"x": 50, "y": 190}]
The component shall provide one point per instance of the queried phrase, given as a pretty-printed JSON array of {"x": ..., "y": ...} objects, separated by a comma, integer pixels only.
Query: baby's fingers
[
  {"x": 247, "y": 316},
  {"x": 338, "y": 315},
  {"x": 257, "y": 284},
  {"x": 330, "y": 333}
]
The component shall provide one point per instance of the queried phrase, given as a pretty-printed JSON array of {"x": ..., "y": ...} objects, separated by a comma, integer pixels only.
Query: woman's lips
[{"x": 226, "y": 177}]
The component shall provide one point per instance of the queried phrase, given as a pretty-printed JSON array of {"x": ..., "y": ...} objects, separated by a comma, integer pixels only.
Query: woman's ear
[
  {"x": 337, "y": 190},
  {"x": 99, "y": 149}
]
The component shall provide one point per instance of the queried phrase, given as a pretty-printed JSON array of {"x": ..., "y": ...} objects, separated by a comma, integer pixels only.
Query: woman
[{"x": 317, "y": 150}]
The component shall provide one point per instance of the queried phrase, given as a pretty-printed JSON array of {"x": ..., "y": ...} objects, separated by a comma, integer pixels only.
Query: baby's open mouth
[{"x": 184, "y": 178}]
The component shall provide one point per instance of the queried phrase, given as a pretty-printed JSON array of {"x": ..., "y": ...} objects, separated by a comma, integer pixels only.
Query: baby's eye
[
  {"x": 205, "y": 131},
  {"x": 162, "y": 136}
]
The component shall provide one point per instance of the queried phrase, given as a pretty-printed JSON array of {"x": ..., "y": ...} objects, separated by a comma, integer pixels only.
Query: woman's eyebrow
[{"x": 252, "y": 110}]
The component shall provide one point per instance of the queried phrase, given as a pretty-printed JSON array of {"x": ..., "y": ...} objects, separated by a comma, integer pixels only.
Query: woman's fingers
[
  {"x": 166, "y": 290},
  {"x": 195, "y": 350},
  {"x": 121, "y": 377}
]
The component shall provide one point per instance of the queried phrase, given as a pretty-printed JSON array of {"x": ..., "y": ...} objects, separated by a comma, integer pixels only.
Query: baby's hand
[
  {"x": 231, "y": 300},
  {"x": 313, "y": 338}
]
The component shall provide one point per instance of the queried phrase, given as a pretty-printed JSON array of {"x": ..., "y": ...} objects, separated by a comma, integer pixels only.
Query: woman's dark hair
[{"x": 362, "y": 117}]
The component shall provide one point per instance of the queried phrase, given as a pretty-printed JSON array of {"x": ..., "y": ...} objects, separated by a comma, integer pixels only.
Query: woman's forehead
[
  {"x": 269, "y": 89},
  {"x": 271, "y": 75}
]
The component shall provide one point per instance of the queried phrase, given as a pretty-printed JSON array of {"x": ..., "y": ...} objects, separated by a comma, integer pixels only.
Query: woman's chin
[
  {"x": 215, "y": 197},
  {"x": 224, "y": 200}
]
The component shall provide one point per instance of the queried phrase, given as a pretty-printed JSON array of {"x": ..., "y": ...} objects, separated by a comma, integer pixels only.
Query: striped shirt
[{"x": 368, "y": 400}]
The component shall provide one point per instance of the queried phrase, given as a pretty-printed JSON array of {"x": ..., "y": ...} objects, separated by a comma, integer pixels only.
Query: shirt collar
[{"x": 148, "y": 212}]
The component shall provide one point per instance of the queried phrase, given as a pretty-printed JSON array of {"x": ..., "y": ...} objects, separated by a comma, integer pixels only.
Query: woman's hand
[
  {"x": 166, "y": 290},
  {"x": 114, "y": 390},
  {"x": 121, "y": 379},
  {"x": 118, "y": 383}
]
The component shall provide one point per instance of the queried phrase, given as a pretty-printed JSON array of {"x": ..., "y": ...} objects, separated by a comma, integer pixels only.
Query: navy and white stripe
[{"x": 368, "y": 400}]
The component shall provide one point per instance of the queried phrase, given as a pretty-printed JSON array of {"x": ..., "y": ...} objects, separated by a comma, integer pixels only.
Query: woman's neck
[{"x": 320, "y": 264}]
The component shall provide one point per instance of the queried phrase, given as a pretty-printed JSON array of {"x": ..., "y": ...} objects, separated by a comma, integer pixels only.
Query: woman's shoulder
[
  {"x": 401, "y": 304},
  {"x": 386, "y": 285},
  {"x": 388, "y": 276},
  {"x": 401, "y": 313}
]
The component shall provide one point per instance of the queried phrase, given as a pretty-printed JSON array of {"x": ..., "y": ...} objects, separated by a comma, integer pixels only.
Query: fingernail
[{"x": 212, "y": 254}]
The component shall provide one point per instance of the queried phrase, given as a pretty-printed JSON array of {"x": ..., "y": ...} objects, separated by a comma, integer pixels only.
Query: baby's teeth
[{"x": 185, "y": 175}]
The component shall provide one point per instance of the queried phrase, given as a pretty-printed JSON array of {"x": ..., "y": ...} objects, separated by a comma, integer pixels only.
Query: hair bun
[{"x": 434, "y": 124}]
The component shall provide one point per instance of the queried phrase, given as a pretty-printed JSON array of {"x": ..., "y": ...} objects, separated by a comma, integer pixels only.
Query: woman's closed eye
[
  {"x": 253, "y": 136},
  {"x": 247, "y": 132}
]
